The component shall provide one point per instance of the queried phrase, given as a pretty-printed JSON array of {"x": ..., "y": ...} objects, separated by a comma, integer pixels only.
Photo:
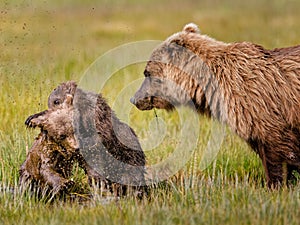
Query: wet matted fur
[
  {"x": 109, "y": 150},
  {"x": 49, "y": 163}
]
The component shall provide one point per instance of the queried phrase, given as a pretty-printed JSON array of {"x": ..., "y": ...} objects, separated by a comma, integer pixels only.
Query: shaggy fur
[
  {"x": 109, "y": 149},
  {"x": 50, "y": 161},
  {"x": 46, "y": 168},
  {"x": 254, "y": 90}
]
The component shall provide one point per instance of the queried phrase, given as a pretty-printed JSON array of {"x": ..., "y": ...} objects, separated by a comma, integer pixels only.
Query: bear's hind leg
[
  {"x": 277, "y": 173},
  {"x": 55, "y": 180}
]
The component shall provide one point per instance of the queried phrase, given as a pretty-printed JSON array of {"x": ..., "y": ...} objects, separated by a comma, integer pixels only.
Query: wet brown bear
[
  {"x": 50, "y": 161},
  {"x": 109, "y": 149},
  {"x": 254, "y": 90}
]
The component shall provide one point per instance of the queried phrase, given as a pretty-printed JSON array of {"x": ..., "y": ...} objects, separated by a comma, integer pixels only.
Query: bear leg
[
  {"x": 277, "y": 174},
  {"x": 55, "y": 180}
]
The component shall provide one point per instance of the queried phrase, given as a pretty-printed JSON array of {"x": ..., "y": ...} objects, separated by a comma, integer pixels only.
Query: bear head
[
  {"x": 173, "y": 72},
  {"x": 58, "y": 124},
  {"x": 58, "y": 95}
]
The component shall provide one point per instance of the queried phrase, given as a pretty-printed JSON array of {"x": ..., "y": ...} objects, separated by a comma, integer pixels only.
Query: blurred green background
[{"x": 47, "y": 42}]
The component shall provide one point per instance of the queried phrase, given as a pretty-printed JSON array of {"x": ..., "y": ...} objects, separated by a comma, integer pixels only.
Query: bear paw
[{"x": 63, "y": 187}]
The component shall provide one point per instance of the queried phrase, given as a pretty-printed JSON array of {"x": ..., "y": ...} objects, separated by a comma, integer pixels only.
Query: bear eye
[{"x": 56, "y": 102}]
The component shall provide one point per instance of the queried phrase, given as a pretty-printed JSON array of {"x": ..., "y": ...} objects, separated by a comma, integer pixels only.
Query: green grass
[{"x": 44, "y": 43}]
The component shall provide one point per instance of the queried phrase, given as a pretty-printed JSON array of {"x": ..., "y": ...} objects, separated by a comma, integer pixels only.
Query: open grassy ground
[{"x": 44, "y": 43}]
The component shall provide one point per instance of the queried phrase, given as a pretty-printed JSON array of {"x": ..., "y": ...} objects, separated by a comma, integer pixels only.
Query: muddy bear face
[
  {"x": 58, "y": 123},
  {"x": 170, "y": 74},
  {"x": 59, "y": 94}
]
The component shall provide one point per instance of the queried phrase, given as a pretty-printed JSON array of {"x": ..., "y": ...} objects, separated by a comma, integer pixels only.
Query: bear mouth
[
  {"x": 151, "y": 102},
  {"x": 144, "y": 104}
]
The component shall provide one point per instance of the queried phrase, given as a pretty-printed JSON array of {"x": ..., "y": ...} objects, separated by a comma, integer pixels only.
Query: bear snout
[
  {"x": 132, "y": 100},
  {"x": 141, "y": 100},
  {"x": 143, "y": 103}
]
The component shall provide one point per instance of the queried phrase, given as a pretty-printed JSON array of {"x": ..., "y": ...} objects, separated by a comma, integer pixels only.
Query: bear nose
[{"x": 132, "y": 100}]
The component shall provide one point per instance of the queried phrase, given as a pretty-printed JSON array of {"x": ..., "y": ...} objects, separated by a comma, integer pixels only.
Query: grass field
[{"x": 44, "y": 43}]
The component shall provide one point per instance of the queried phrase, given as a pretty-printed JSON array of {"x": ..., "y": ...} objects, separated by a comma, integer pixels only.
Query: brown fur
[
  {"x": 110, "y": 152},
  {"x": 50, "y": 161},
  {"x": 254, "y": 90},
  {"x": 45, "y": 168}
]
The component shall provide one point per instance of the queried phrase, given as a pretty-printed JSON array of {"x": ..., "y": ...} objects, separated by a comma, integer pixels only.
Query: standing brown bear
[
  {"x": 255, "y": 91},
  {"x": 107, "y": 149}
]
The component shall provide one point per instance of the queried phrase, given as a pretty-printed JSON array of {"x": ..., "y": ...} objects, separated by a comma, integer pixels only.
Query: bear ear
[
  {"x": 191, "y": 28},
  {"x": 178, "y": 41},
  {"x": 69, "y": 99},
  {"x": 71, "y": 87}
]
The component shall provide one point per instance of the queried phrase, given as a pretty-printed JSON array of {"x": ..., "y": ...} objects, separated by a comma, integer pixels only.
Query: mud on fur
[{"x": 71, "y": 111}]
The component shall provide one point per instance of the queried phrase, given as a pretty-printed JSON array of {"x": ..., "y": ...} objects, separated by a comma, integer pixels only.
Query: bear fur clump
[
  {"x": 84, "y": 126},
  {"x": 255, "y": 91},
  {"x": 50, "y": 160}
]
